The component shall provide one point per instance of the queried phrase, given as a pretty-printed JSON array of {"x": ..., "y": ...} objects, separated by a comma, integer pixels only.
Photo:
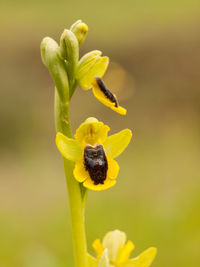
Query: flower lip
[
  {"x": 95, "y": 163},
  {"x": 105, "y": 91},
  {"x": 105, "y": 96}
]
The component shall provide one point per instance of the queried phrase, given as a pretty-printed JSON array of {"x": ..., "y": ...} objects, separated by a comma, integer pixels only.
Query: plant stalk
[{"x": 76, "y": 203}]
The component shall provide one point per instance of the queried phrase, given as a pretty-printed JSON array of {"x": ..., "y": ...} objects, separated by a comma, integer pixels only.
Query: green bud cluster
[{"x": 62, "y": 61}]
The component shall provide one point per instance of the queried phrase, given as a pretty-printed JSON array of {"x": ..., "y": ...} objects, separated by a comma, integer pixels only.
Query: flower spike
[{"x": 93, "y": 153}]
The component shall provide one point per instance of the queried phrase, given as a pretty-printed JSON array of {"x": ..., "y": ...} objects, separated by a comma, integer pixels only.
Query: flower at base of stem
[{"x": 114, "y": 251}]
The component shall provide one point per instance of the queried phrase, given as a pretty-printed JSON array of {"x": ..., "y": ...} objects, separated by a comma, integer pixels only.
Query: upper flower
[
  {"x": 115, "y": 252},
  {"x": 91, "y": 69},
  {"x": 93, "y": 153}
]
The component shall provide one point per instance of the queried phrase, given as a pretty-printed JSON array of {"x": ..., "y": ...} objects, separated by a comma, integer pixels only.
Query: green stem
[
  {"x": 74, "y": 86},
  {"x": 74, "y": 191}
]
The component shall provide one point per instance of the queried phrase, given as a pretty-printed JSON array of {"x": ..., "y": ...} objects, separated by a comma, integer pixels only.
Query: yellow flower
[
  {"x": 114, "y": 251},
  {"x": 93, "y": 153},
  {"x": 91, "y": 69}
]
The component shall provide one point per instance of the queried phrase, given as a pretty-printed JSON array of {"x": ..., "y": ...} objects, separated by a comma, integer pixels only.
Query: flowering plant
[{"x": 89, "y": 157}]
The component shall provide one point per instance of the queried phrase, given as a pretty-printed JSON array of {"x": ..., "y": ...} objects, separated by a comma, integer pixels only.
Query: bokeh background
[{"x": 154, "y": 48}]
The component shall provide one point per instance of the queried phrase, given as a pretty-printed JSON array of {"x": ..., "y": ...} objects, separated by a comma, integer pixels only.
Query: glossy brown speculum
[
  {"x": 95, "y": 163},
  {"x": 106, "y": 92}
]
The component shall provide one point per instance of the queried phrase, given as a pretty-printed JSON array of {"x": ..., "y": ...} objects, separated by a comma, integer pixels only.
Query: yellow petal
[
  {"x": 91, "y": 132},
  {"x": 124, "y": 253},
  {"x": 69, "y": 148},
  {"x": 113, "y": 241},
  {"x": 106, "y": 101},
  {"x": 143, "y": 260},
  {"x": 107, "y": 184},
  {"x": 113, "y": 168},
  {"x": 98, "y": 248},
  {"x": 115, "y": 144},
  {"x": 80, "y": 174}
]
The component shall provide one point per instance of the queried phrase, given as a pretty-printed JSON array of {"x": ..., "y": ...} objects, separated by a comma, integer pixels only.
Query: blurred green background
[{"x": 154, "y": 48}]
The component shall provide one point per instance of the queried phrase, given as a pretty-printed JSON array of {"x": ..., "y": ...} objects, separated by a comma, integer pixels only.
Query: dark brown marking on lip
[
  {"x": 95, "y": 163},
  {"x": 106, "y": 92}
]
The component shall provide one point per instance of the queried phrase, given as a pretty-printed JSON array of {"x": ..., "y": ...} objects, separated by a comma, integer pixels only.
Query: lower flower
[
  {"x": 114, "y": 251},
  {"x": 93, "y": 153}
]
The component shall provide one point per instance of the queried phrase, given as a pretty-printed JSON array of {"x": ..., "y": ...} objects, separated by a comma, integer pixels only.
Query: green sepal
[
  {"x": 115, "y": 144},
  {"x": 88, "y": 58},
  {"x": 91, "y": 65},
  {"x": 50, "y": 54},
  {"x": 80, "y": 29},
  {"x": 69, "y": 49},
  {"x": 143, "y": 260},
  {"x": 68, "y": 147}
]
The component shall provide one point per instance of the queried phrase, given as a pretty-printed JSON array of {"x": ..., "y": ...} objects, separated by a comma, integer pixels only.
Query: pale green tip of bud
[
  {"x": 91, "y": 119},
  {"x": 80, "y": 30},
  {"x": 48, "y": 48}
]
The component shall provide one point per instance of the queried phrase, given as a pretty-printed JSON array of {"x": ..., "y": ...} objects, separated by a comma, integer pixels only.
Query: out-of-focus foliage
[{"x": 154, "y": 49}]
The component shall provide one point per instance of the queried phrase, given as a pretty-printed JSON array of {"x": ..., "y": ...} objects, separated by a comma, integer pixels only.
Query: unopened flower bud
[
  {"x": 69, "y": 49},
  {"x": 80, "y": 30},
  {"x": 50, "y": 54}
]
